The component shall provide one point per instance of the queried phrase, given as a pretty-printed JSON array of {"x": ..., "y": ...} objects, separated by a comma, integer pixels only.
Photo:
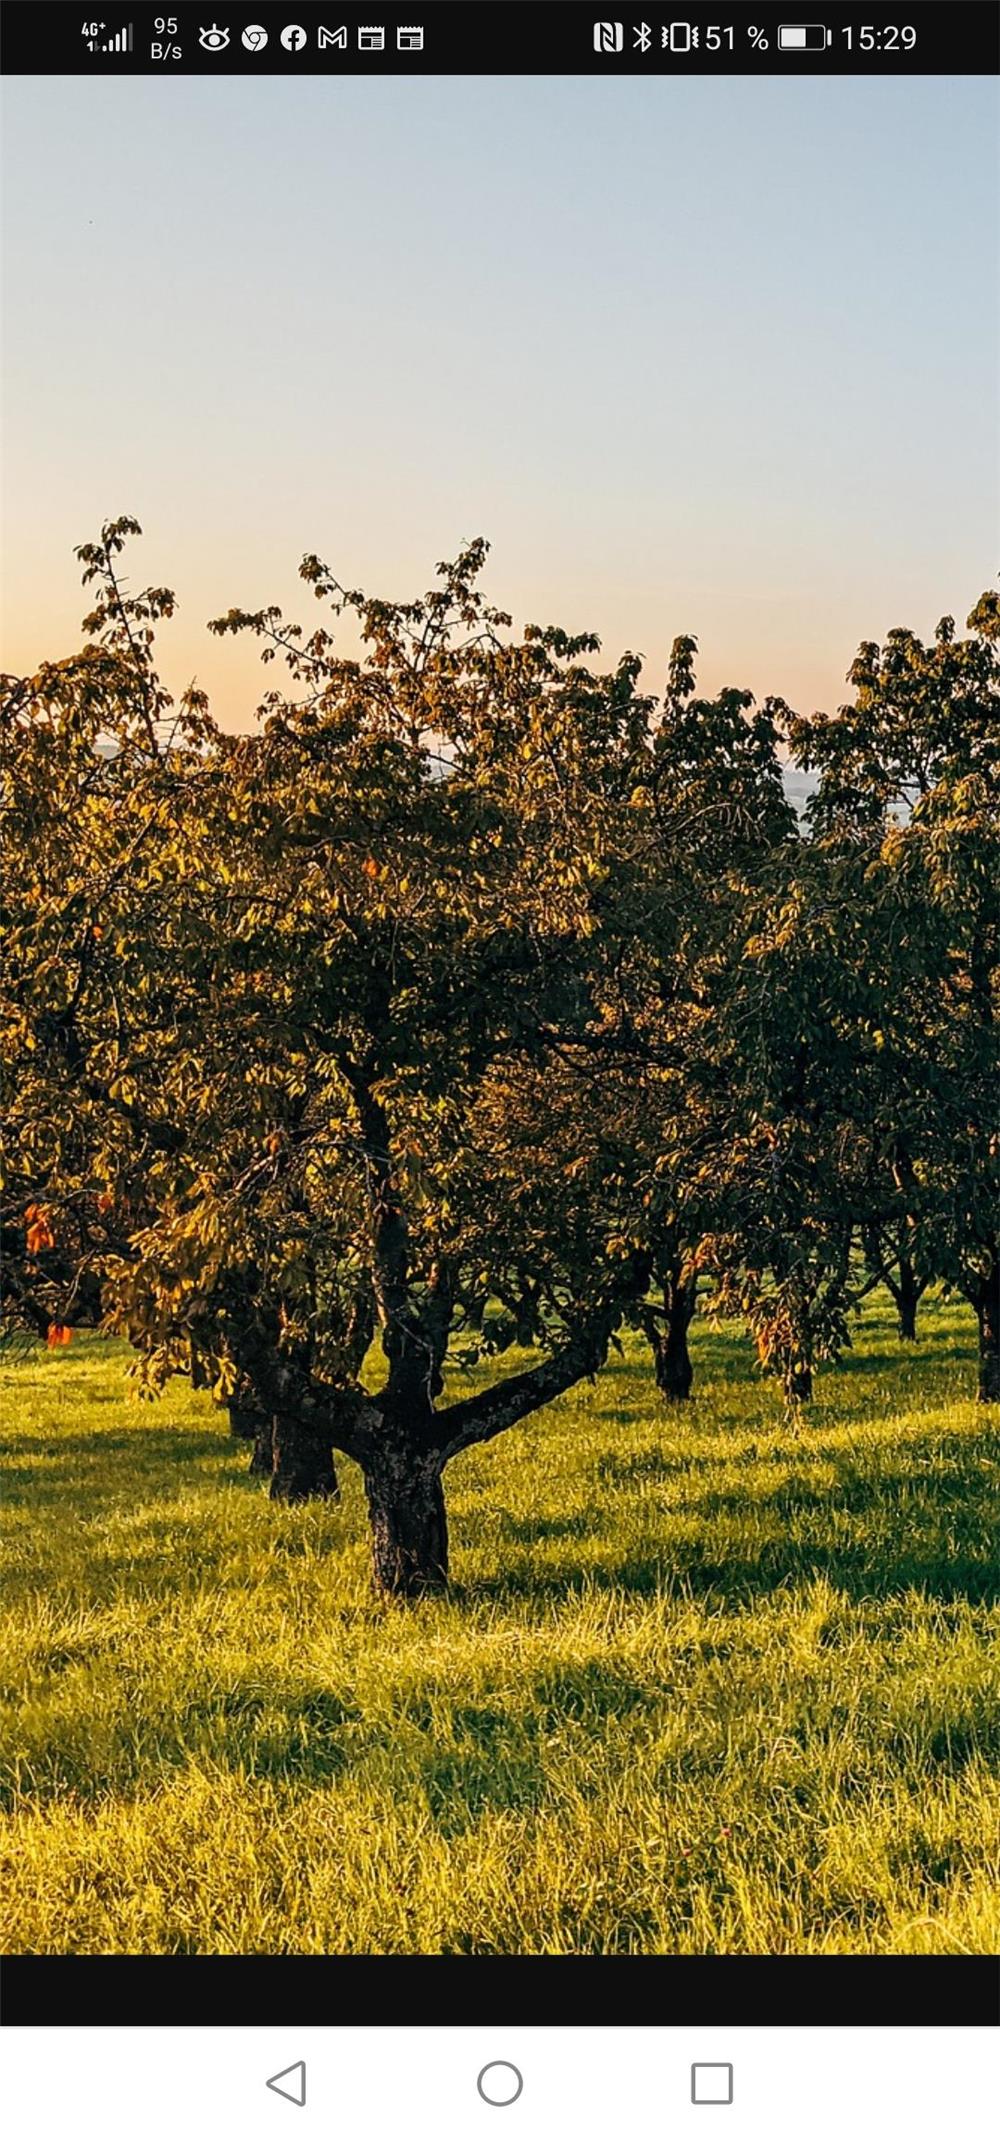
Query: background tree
[
  {"x": 755, "y": 1196},
  {"x": 909, "y": 796},
  {"x": 98, "y": 768}
]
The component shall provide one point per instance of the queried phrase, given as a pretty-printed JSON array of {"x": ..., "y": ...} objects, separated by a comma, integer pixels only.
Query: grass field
[{"x": 706, "y": 1681}]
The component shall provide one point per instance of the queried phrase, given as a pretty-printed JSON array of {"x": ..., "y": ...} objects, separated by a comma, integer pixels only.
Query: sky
[{"x": 718, "y": 357}]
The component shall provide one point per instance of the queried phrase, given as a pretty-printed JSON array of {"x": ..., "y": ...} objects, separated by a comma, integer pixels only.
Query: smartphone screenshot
[{"x": 500, "y": 1351}]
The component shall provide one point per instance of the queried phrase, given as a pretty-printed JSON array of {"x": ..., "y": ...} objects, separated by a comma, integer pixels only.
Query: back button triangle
[{"x": 290, "y": 2083}]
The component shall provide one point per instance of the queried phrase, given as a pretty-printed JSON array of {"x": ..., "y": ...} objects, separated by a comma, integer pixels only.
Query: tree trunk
[
  {"x": 797, "y": 1380},
  {"x": 988, "y": 1319},
  {"x": 408, "y": 1520},
  {"x": 360, "y": 1326},
  {"x": 907, "y": 1296},
  {"x": 302, "y": 1468},
  {"x": 672, "y": 1361},
  {"x": 250, "y": 1424},
  {"x": 262, "y": 1454}
]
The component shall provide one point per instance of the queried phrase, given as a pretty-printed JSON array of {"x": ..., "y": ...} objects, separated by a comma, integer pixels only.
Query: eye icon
[{"x": 214, "y": 39}]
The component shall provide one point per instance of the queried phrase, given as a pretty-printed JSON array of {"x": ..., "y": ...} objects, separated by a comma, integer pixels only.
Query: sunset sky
[{"x": 718, "y": 357}]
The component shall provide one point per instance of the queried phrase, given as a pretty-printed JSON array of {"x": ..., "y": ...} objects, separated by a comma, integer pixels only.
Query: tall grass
[{"x": 707, "y": 1681}]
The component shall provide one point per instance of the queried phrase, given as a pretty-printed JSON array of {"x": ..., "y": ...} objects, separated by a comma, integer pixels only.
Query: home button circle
[{"x": 500, "y": 2083}]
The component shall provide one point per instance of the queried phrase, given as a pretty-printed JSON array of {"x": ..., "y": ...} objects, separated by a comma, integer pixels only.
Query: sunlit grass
[{"x": 707, "y": 1681}]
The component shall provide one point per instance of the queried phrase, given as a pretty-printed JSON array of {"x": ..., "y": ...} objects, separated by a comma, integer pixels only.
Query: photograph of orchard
[{"x": 501, "y": 1247}]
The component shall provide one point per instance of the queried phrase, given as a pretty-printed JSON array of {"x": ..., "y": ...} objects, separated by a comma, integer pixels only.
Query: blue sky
[{"x": 710, "y": 356}]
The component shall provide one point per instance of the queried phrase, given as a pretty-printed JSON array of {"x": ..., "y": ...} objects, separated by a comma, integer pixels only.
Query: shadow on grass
[
  {"x": 745, "y": 1580},
  {"x": 925, "y": 1518},
  {"x": 530, "y": 1531},
  {"x": 154, "y": 1463},
  {"x": 937, "y": 1357}
]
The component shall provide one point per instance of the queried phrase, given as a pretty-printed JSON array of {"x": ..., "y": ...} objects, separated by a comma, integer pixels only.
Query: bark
[
  {"x": 526, "y": 1314},
  {"x": 673, "y": 1365},
  {"x": 987, "y": 1306},
  {"x": 302, "y": 1467},
  {"x": 409, "y": 1527},
  {"x": 404, "y": 1458},
  {"x": 907, "y": 1293},
  {"x": 293, "y": 1420},
  {"x": 797, "y": 1380},
  {"x": 480, "y": 1419},
  {"x": 668, "y": 1338},
  {"x": 262, "y": 1454},
  {"x": 360, "y": 1326},
  {"x": 249, "y": 1423}
]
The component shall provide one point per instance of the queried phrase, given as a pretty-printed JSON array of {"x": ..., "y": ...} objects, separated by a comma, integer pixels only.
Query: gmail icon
[{"x": 333, "y": 37}]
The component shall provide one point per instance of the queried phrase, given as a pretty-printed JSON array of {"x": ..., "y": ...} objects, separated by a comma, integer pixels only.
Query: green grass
[{"x": 707, "y": 1681}]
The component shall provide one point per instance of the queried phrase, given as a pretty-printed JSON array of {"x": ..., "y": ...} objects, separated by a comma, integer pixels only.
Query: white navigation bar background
[{"x": 397, "y": 2084}]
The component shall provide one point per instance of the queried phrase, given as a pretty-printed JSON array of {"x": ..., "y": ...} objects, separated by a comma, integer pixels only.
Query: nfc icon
[{"x": 608, "y": 36}]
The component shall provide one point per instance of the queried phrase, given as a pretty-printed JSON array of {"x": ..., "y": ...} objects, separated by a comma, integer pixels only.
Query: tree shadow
[
  {"x": 925, "y": 1359},
  {"x": 745, "y": 1580},
  {"x": 530, "y": 1531},
  {"x": 69, "y": 1471},
  {"x": 928, "y": 1515}
]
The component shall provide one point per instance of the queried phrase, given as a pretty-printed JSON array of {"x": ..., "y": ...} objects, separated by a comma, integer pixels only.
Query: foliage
[
  {"x": 478, "y": 998},
  {"x": 908, "y": 805}
]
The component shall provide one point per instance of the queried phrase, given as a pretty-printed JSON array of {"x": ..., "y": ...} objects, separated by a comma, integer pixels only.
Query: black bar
[
  {"x": 535, "y": 37},
  {"x": 589, "y": 1992}
]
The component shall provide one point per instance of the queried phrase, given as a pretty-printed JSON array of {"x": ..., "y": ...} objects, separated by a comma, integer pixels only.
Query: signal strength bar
[{"x": 121, "y": 42}]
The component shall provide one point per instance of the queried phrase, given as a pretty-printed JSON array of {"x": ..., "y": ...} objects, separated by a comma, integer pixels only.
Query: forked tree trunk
[
  {"x": 409, "y": 1527},
  {"x": 302, "y": 1463},
  {"x": 666, "y": 1334},
  {"x": 987, "y": 1306}
]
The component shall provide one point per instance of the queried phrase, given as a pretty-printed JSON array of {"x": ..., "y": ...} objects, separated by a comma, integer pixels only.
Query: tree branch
[{"x": 480, "y": 1418}]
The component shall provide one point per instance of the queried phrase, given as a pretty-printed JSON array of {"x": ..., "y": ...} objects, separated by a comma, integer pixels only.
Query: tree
[
  {"x": 750, "y": 1182},
  {"x": 665, "y": 1324},
  {"x": 98, "y": 768},
  {"x": 909, "y": 796},
  {"x": 383, "y": 914},
  {"x": 889, "y": 1250}
]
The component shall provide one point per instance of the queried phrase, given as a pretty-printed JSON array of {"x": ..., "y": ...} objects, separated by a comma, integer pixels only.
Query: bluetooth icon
[{"x": 642, "y": 38}]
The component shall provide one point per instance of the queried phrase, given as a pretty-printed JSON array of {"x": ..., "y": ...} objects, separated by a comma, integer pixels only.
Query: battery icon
[{"x": 803, "y": 37}]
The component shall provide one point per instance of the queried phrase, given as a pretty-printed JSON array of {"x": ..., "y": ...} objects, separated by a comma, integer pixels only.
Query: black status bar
[
  {"x": 587, "y": 1991},
  {"x": 507, "y": 37}
]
